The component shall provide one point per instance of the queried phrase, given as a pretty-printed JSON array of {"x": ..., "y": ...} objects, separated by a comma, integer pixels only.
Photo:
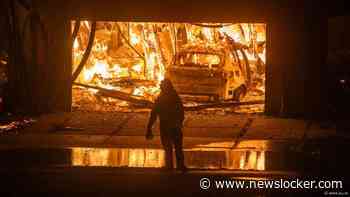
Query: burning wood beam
[
  {"x": 222, "y": 105},
  {"x": 128, "y": 43},
  {"x": 118, "y": 95},
  {"x": 76, "y": 30}
]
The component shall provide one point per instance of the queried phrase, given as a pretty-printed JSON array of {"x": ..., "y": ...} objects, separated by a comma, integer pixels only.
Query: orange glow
[
  {"x": 117, "y": 157},
  {"x": 261, "y": 161},
  {"x": 155, "y": 158},
  {"x": 144, "y": 51},
  {"x": 134, "y": 38},
  {"x": 242, "y": 161},
  {"x": 75, "y": 44}
]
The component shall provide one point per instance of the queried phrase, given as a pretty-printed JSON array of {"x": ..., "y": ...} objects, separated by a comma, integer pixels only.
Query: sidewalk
[{"x": 96, "y": 129}]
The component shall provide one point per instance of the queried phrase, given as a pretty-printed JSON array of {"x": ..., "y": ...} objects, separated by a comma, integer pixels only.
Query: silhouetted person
[{"x": 168, "y": 107}]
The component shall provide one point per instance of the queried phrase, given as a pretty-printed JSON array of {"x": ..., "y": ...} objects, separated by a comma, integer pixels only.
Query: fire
[
  {"x": 116, "y": 69},
  {"x": 263, "y": 55},
  {"x": 75, "y": 44},
  {"x": 137, "y": 68},
  {"x": 233, "y": 34},
  {"x": 100, "y": 68},
  {"x": 134, "y": 38},
  {"x": 208, "y": 34},
  {"x": 129, "y": 51},
  {"x": 138, "y": 92},
  {"x": 100, "y": 47}
]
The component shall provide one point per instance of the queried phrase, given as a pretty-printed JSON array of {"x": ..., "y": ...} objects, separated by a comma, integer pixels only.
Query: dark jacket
[{"x": 169, "y": 108}]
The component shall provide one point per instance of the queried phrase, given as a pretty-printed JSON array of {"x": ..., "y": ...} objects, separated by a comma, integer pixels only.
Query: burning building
[
  {"x": 112, "y": 55},
  {"x": 206, "y": 62}
]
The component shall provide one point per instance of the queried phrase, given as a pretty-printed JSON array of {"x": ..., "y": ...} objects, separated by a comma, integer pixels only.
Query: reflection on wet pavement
[
  {"x": 114, "y": 157},
  {"x": 203, "y": 159},
  {"x": 255, "y": 155},
  {"x": 128, "y": 168}
]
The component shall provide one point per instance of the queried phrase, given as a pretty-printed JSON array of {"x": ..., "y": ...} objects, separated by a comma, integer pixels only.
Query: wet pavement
[
  {"x": 106, "y": 153},
  {"x": 216, "y": 124},
  {"x": 256, "y": 155},
  {"x": 122, "y": 169}
]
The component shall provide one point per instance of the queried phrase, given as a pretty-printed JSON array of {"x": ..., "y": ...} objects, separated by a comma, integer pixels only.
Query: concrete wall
[{"x": 339, "y": 33}]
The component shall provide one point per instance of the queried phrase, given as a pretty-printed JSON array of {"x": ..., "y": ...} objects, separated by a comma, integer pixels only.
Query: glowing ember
[{"x": 15, "y": 125}]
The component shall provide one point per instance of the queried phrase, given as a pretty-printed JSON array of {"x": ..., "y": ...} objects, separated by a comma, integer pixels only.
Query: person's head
[{"x": 166, "y": 85}]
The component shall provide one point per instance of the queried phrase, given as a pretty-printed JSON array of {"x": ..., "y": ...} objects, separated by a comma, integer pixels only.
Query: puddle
[
  {"x": 255, "y": 155},
  {"x": 96, "y": 168},
  {"x": 199, "y": 159}
]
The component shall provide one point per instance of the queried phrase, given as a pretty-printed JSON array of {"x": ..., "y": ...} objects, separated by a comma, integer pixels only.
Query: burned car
[{"x": 209, "y": 71}]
